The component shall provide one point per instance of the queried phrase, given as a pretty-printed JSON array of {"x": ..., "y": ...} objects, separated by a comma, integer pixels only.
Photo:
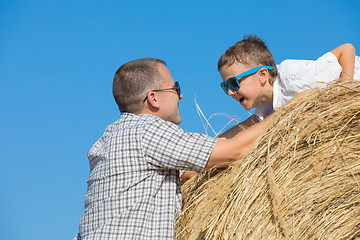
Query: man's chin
[{"x": 177, "y": 121}]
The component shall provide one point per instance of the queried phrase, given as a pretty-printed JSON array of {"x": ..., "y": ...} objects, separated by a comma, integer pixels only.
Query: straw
[{"x": 301, "y": 181}]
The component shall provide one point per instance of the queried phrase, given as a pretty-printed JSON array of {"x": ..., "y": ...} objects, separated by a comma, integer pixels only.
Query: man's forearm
[
  {"x": 227, "y": 151},
  {"x": 248, "y": 138},
  {"x": 240, "y": 127}
]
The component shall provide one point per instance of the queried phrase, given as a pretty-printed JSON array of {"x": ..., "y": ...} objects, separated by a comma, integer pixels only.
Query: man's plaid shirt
[{"x": 133, "y": 188}]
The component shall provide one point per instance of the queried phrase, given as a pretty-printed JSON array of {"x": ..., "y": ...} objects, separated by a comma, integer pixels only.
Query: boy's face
[{"x": 251, "y": 88}]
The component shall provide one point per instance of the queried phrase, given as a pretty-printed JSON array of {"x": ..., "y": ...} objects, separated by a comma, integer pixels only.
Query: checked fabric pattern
[{"x": 133, "y": 188}]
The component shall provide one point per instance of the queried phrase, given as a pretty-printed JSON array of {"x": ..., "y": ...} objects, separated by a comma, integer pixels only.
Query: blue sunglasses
[{"x": 233, "y": 84}]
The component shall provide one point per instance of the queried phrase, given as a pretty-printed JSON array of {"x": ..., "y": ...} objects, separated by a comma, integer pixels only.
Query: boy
[{"x": 251, "y": 77}]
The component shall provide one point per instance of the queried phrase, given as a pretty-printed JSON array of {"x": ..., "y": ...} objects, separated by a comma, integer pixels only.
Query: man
[{"x": 133, "y": 188}]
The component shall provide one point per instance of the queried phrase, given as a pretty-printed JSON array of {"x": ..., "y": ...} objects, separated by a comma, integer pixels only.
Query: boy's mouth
[{"x": 242, "y": 100}]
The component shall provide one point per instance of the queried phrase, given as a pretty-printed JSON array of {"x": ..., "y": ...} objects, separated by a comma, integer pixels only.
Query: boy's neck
[{"x": 268, "y": 94}]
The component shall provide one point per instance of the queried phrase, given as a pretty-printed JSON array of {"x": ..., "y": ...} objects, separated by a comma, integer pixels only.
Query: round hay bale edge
[{"x": 301, "y": 181}]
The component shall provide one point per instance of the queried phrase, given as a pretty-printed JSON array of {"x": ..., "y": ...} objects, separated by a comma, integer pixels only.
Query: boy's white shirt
[{"x": 295, "y": 76}]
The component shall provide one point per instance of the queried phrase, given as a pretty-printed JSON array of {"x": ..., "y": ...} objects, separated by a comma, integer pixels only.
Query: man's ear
[
  {"x": 153, "y": 100},
  {"x": 263, "y": 75}
]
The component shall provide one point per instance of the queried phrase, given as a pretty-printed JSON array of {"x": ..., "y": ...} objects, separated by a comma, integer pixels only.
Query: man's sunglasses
[
  {"x": 233, "y": 84},
  {"x": 176, "y": 88}
]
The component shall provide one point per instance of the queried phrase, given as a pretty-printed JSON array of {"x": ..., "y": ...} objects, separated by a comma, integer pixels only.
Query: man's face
[
  {"x": 168, "y": 99},
  {"x": 249, "y": 93}
]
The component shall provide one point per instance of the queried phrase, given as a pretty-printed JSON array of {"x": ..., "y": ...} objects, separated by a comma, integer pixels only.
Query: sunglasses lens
[
  {"x": 177, "y": 88},
  {"x": 233, "y": 83},
  {"x": 224, "y": 87}
]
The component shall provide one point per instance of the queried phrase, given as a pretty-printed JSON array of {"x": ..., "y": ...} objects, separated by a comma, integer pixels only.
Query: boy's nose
[{"x": 231, "y": 92}]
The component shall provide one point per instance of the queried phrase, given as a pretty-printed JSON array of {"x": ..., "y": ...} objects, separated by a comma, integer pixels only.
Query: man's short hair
[
  {"x": 252, "y": 52},
  {"x": 133, "y": 80}
]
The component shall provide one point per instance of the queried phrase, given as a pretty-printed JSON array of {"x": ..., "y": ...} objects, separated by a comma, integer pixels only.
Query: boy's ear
[{"x": 263, "y": 75}]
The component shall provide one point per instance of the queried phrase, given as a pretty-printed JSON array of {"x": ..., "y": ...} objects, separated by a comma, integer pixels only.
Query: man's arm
[
  {"x": 253, "y": 119},
  {"x": 187, "y": 175},
  {"x": 227, "y": 151},
  {"x": 346, "y": 56}
]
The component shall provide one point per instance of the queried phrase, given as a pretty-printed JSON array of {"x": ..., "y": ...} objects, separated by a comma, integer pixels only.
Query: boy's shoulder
[
  {"x": 293, "y": 67},
  {"x": 289, "y": 68},
  {"x": 290, "y": 63}
]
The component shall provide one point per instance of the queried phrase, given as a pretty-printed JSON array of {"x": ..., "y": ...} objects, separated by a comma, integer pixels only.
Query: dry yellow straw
[{"x": 302, "y": 180}]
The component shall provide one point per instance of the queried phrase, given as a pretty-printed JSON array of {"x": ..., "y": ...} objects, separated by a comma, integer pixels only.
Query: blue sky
[{"x": 57, "y": 62}]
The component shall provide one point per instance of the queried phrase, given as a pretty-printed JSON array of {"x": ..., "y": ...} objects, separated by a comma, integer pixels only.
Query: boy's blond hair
[{"x": 252, "y": 52}]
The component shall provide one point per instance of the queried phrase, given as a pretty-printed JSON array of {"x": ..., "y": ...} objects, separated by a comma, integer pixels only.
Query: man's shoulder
[
  {"x": 144, "y": 121},
  {"x": 129, "y": 119}
]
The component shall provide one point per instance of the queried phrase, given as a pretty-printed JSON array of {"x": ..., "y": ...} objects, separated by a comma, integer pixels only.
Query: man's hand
[{"x": 300, "y": 97}]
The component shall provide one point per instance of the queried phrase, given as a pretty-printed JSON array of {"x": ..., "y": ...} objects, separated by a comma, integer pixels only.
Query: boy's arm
[{"x": 346, "y": 56}]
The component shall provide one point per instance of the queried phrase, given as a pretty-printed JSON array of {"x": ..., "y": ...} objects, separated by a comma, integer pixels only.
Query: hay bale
[{"x": 302, "y": 180}]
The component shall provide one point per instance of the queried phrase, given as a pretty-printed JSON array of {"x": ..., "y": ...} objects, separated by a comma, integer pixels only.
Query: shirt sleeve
[
  {"x": 166, "y": 145},
  {"x": 296, "y": 76},
  {"x": 357, "y": 69}
]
